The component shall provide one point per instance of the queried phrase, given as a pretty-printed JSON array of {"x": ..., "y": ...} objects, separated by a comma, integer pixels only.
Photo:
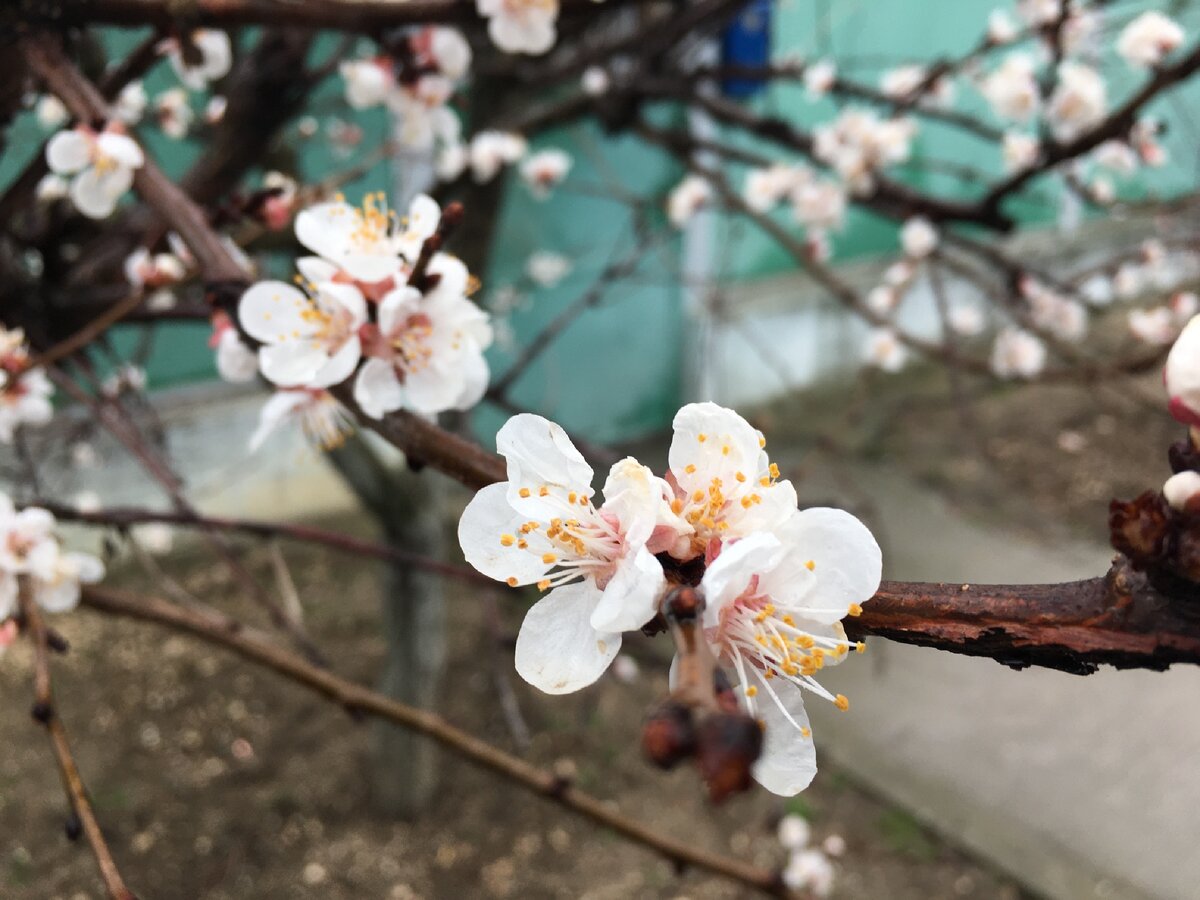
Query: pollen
[
  {"x": 548, "y": 558},
  {"x": 524, "y": 492},
  {"x": 751, "y": 691},
  {"x": 774, "y": 470},
  {"x": 511, "y": 581},
  {"x": 544, "y": 584},
  {"x": 855, "y": 609},
  {"x": 860, "y": 647},
  {"x": 740, "y": 476},
  {"x": 698, "y": 496},
  {"x": 677, "y": 506},
  {"x": 507, "y": 540},
  {"x": 806, "y": 732},
  {"x": 762, "y": 442},
  {"x": 810, "y": 565},
  {"x": 725, "y": 450},
  {"x": 841, "y": 702},
  {"x": 689, "y": 468},
  {"x": 702, "y": 437},
  {"x": 543, "y": 491},
  {"x": 571, "y": 497}
]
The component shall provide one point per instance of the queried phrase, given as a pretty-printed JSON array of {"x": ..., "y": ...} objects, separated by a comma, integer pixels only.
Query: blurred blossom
[
  {"x": 1017, "y": 354},
  {"x": 544, "y": 170},
  {"x": 918, "y": 237},
  {"x": 819, "y": 78},
  {"x": 884, "y": 350},
  {"x": 546, "y": 268},
  {"x": 1145, "y": 41},
  {"x": 1020, "y": 151},
  {"x": 207, "y": 58},
  {"x": 1079, "y": 101},
  {"x": 687, "y": 198},
  {"x": 794, "y": 832},
  {"x": 50, "y": 111},
  {"x": 594, "y": 81}
]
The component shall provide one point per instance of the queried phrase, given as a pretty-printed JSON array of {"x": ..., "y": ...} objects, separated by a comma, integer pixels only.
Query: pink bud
[{"x": 1182, "y": 375}]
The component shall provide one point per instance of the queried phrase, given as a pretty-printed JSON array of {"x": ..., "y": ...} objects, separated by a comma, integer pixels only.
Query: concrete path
[{"x": 1078, "y": 786}]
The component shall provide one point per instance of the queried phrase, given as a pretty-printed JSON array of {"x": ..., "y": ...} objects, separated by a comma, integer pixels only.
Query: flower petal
[
  {"x": 68, "y": 152},
  {"x": 630, "y": 599},
  {"x": 377, "y": 390},
  {"x": 728, "y": 576},
  {"x": 558, "y": 651},
  {"x": 486, "y": 519},
  {"x": 396, "y": 306},
  {"x": 274, "y": 413},
  {"x": 121, "y": 149},
  {"x": 314, "y": 269},
  {"x": 292, "y": 363},
  {"x": 789, "y": 759},
  {"x": 271, "y": 310},
  {"x": 846, "y": 563},
  {"x": 717, "y": 441},
  {"x": 539, "y": 453},
  {"x": 339, "y": 367},
  {"x": 93, "y": 194},
  {"x": 325, "y": 229}
]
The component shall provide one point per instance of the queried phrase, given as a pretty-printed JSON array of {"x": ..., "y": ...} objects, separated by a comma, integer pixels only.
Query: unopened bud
[
  {"x": 668, "y": 735},
  {"x": 1182, "y": 491},
  {"x": 727, "y": 746}
]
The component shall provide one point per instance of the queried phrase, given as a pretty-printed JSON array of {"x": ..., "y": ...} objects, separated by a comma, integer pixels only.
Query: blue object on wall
[{"x": 747, "y": 42}]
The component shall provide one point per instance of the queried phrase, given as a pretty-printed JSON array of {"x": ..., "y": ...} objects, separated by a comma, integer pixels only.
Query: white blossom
[
  {"x": 687, "y": 198},
  {"x": 1153, "y": 326},
  {"x": 809, "y": 871},
  {"x": 29, "y": 549},
  {"x": 918, "y": 237},
  {"x": 1012, "y": 89},
  {"x": 131, "y": 103},
  {"x": 818, "y": 203},
  {"x": 173, "y": 110},
  {"x": 766, "y": 187},
  {"x": 547, "y": 269},
  {"x": 544, "y": 170},
  {"x": 324, "y": 422},
  {"x": 1001, "y": 29},
  {"x": 858, "y": 143},
  {"x": 368, "y": 81},
  {"x": 208, "y": 58},
  {"x": 520, "y": 26},
  {"x": 1020, "y": 151},
  {"x": 1039, "y": 12},
  {"x": 1181, "y": 487},
  {"x": 965, "y": 319},
  {"x": 50, "y": 111},
  {"x": 884, "y": 350},
  {"x": 794, "y": 832},
  {"x": 1079, "y": 101},
  {"x": 24, "y": 393},
  {"x": 1149, "y": 38},
  {"x": 491, "y": 150},
  {"x": 1017, "y": 354},
  {"x": 594, "y": 81},
  {"x": 819, "y": 77},
  {"x": 101, "y": 165},
  {"x": 541, "y": 527}
]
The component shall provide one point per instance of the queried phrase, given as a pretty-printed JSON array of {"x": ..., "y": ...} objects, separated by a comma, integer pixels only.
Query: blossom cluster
[
  {"x": 777, "y": 580},
  {"x": 360, "y": 299},
  {"x": 31, "y": 552},
  {"x": 24, "y": 391}
]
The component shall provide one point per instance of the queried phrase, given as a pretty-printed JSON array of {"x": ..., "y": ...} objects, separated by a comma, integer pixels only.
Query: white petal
[
  {"x": 271, "y": 310},
  {"x": 61, "y": 595},
  {"x": 325, "y": 229},
  {"x": 630, "y": 599},
  {"x": 92, "y": 194},
  {"x": 396, "y": 306},
  {"x": 338, "y": 367},
  {"x": 274, "y": 413},
  {"x": 334, "y": 297},
  {"x": 538, "y": 453},
  {"x": 120, "y": 148},
  {"x": 371, "y": 267},
  {"x": 729, "y": 445},
  {"x": 292, "y": 363},
  {"x": 315, "y": 270},
  {"x": 558, "y": 651},
  {"x": 789, "y": 759},
  {"x": 377, "y": 390},
  {"x": 635, "y": 495},
  {"x": 68, "y": 152},
  {"x": 487, "y": 517},
  {"x": 475, "y": 379},
  {"x": 847, "y": 562},
  {"x": 731, "y": 572},
  {"x": 8, "y": 595},
  {"x": 88, "y": 569}
]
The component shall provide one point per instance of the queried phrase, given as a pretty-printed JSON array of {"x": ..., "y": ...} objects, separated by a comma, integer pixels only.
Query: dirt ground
[{"x": 217, "y": 780}]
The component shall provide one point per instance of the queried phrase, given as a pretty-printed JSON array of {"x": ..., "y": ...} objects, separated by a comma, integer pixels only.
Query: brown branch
[
  {"x": 128, "y": 516},
  {"x": 44, "y": 712},
  {"x": 88, "y": 333},
  {"x": 358, "y": 699}
]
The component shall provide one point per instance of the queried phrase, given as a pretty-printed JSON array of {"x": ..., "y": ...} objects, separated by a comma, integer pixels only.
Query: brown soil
[{"x": 217, "y": 780}]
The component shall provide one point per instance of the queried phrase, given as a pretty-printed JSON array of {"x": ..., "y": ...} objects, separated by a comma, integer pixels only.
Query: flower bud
[
  {"x": 668, "y": 735},
  {"x": 1182, "y": 375},
  {"x": 727, "y": 746},
  {"x": 1182, "y": 491}
]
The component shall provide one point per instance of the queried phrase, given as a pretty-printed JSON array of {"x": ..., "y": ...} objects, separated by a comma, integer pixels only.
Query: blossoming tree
[{"x": 380, "y": 325}]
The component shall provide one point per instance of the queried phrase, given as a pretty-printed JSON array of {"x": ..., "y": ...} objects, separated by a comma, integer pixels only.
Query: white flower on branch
[
  {"x": 309, "y": 339},
  {"x": 794, "y": 832},
  {"x": 918, "y": 237},
  {"x": 447, "y": 49},
  {"x": 858, "y": 143},
  {"x": 1116, "y": 156},
  {"x": 903, "y": 83},
  {"x": 1155, "y": 326},
  {"x": 520, "y": 26},
  {"x": 1020, "y": 151},
  {"x": 1012, "y": 89},
  {"x": 52, "y": 187},
  {"x": 1001, "y": 29},
  {"x": 1039, "y": 12},
  {"x": 765, "y": 188},
  {"x": 811, "y": 871},
  {"x": 101, "y": 165},
  {"x": 131, "y": 103},
  {"x": 1050, "y": 311},
  {"x": 547, "y": 269},
  {"x": 173, "y": 110},
  {"x": 687, "y": 198},
  {"x": 205, "y": 56},
  {"x": 147, "y": 270},
  {"x": 541, "y": 527},
  {"x": 595, "y": 81},
  {"x": 545, "y": 170},
  {"x": 368, "y": 81},
  {"x": 819, "y": 204},
  {"x": 324, "y": 422},
  {"x": 1148, "y": 39},
  {"x": 1182, "y": 375},
  {"x": 1017, "y": 354},
  {"x": 50, "y": 111},
  {"x": 425, "y": 352},
  {"x": 774, "y": 602},
  {"x": 492, "y": 150},
  {"x": 965, "y": 319},
  {"x": 1079, "y": 101},
  {"x": 884, "y": 350},
  {"x": 24, "y": 393},
  {"x": 819, "y": 78},
  {"x": 30, "y": 550},
  {"x": 236, "y": 362}
]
